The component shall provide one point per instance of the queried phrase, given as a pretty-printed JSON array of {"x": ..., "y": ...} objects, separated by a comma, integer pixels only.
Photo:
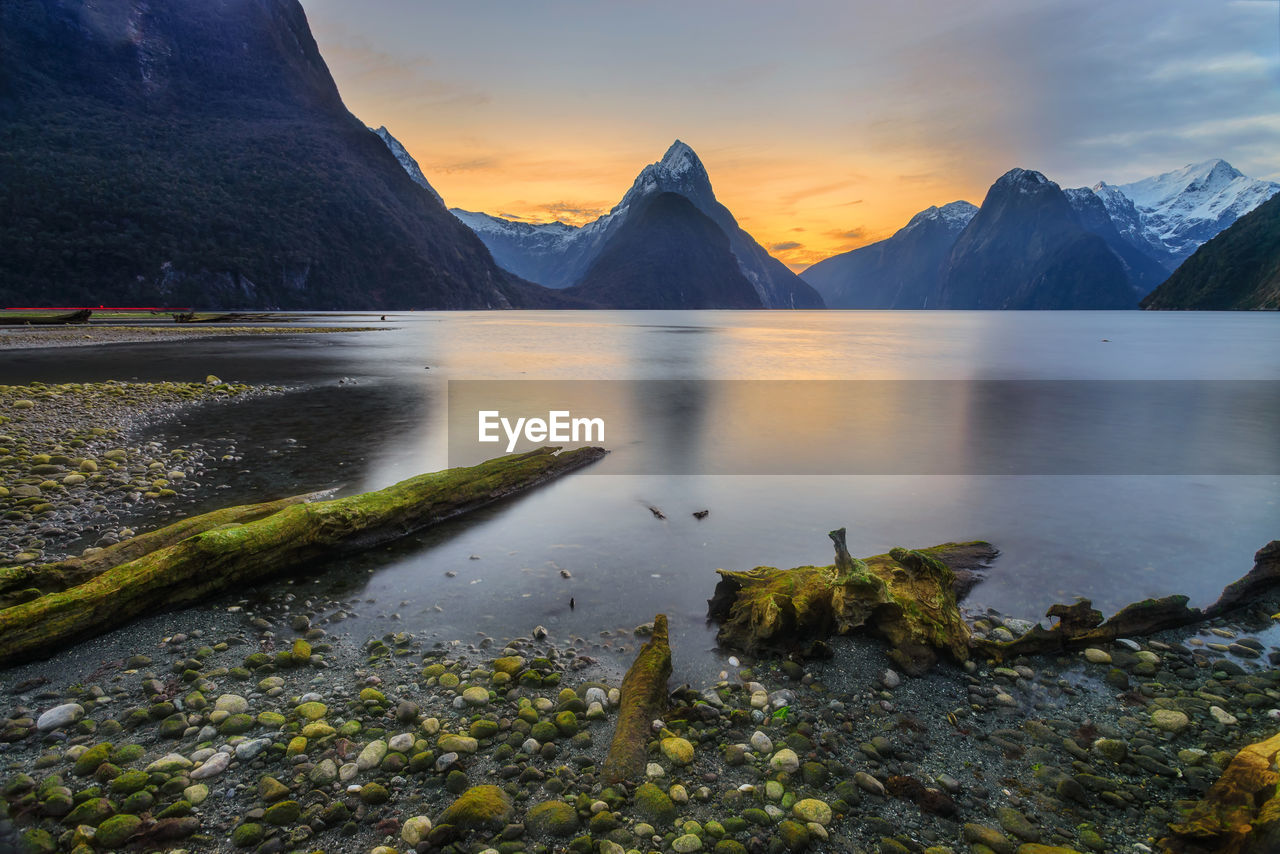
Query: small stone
[
  {"x": 1093, "y": 655},
  {"x": 785, "y": 760},
  {"x": 475, "y": 696},
  {"x": 678, "y": 750},
  {"x": 1170, "y": 720},
  {"x": 1222, "y": 716},
  {"x": 761, "y": 743},
  {"x": 415, "y": 830},
  {"x": 868, "y": 783},
  {"x": 372, "y": 755},
  {"x": 812, "y": 809},
  {"x": 232, "y": 704},
  {"x": 686, "y": 844},
  {"x": 59, "y": 717},
  {"x": 215, "y": 765}
]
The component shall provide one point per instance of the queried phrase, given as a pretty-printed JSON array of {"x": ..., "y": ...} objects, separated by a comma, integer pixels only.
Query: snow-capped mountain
[
  {"x": 558, "y": 255},
  {"x": 406, "y": 160},
  {"x": 536, "y": 252},
  {"x": 1178, "y": 211}
]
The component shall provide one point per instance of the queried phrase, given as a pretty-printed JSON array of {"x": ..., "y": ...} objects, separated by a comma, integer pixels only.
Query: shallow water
[{"x": 1113, "y": 537}]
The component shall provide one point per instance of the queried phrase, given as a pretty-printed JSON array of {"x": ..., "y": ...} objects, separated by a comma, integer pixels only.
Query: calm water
[{"x": 1113, "y": 538}]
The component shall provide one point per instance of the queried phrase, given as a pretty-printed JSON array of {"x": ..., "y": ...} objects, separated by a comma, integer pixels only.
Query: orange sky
[{"x": 824, "y": 125}]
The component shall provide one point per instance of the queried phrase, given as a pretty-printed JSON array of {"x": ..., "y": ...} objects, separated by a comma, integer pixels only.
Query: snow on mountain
[
  {"x": 1178, "y": 211},
  {"x": 406, "y": 160},
  {"x": 955, "y": 215}
]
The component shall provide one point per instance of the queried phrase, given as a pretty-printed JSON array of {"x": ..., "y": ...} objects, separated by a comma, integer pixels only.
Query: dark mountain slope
[
  {"x": 1238, "y": 269},
  {"x": 1026, "y": 249},
  {"x": 666, "y": 255},
  {"x": 901, "y": 271},
  {"x": 199, "y": 153}
]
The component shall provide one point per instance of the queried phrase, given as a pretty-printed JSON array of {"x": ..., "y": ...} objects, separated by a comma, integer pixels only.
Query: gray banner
[{"x": 1013, "y": 427}]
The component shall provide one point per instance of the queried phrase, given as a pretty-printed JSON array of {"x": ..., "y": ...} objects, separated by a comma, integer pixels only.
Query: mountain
[
  {"x": 901, "y": 271},
  {"x": 666, "y": 254},
  {"x": 1143, "y": 271},
  {"x": 406, "y": 161},
  {"x": 199, "y": 153},
  {"x": 1169, "y": 216},
  {"x": 558, "y": 256},
  {"x": 544, "y": 253},
  {"x": 1237, "y": 269},
  {"x": 1027, "y": 249}
]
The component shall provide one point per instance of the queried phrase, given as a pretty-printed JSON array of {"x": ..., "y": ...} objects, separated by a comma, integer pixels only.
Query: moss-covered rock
[
  {"x": 116, "y": 831},
  {"x": 478, "y": 808},
  {"x": 654, "y": 805},
  {"x": 552, "y": 818},
  {"x": 643, "y": 698}
]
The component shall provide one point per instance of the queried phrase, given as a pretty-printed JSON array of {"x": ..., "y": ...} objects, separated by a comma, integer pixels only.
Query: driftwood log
[
  {"x": 1080, "y": 625},
  {"x": 906, "y": 596},
  {"x": 23, "y": 583},
  {"x": 643, "y": 698},
  {"x": 300, "y": 534}
]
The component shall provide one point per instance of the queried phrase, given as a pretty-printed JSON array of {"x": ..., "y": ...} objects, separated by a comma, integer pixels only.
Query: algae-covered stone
[
  {"x": 247, "y": 835},
  {"x": 552, "y": 818},
  {"x": 374, "y": 793},
  {"x": 232, "y": 704},
  {"x": 89, "y": 761},
  {"x": 282, "y": 813},
  {"x": 677, "y": 749},
  {"x": 475, "y": 696},
  {"x": 312, "y": 710},
  {"x": 236, "y": 724},
  {"x": 478, "y": 808},
  {"x": 1170, "y": 720},
  {"x": 509, "y": 664},
  {"x": 270, "y": 789},
  {"x": 415, "y": 830},
  {"x": 451, "y": 743},
  {"x": 92, "y": 812},
  {"x": 812, "y": 809},
  {"x": 686, "y": 844},
  {"x": 116, "y": 831},
  {"x": 654, "y": 804},
  {"x": 129, "y": 782},
  {"x": 795, "y": 836}
]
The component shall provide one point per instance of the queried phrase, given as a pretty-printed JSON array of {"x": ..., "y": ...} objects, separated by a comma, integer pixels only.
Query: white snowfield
[{"x": 1171, "y": 215}]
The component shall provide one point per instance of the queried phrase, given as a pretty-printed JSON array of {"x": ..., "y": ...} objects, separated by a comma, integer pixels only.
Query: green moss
[
  {"x": 478, "y": 808},
  {"x": 552, "y": 818}
]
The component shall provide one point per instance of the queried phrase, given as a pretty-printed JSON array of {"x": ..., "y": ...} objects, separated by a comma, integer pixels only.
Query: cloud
[
  {"x": 474, "y": 164},
  {"x": 851, "y": 234},
  {"x": 785, "y": 246}
]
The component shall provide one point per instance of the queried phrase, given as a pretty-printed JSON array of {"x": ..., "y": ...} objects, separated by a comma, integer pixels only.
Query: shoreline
[
  {"x": 35, "y": 338},
  {"x": 322, "y": 740},
  {"x": 72, "y": 465}
]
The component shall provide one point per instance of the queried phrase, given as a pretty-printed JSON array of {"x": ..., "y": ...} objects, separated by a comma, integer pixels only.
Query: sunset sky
[{"x": 824, "y": 125}]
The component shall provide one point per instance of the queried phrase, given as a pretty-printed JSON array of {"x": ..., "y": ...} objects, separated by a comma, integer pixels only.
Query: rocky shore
[
  {"x": 14, "y": 338},
  {"x": 73, "y": 475},
  {"x": 270, "y": 730}
]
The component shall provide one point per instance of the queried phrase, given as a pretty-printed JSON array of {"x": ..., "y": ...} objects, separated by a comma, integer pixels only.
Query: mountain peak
[
  {"x": 679, "y": 160},
  {"x": 1018, "y": 176}
]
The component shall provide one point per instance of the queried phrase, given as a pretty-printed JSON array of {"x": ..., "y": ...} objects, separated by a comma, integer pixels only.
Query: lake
[{"x": 368, "y": 409}]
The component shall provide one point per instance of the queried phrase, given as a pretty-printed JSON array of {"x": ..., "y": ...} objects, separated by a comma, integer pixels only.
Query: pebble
[
  {"x": 212, "y": 768},
  {"x": 59, "y": 717}
]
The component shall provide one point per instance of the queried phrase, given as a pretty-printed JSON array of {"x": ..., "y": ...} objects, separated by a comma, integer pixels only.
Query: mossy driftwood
[
  {"x": 1080, "y": 624},
  {"x": 643, "y": 698},
  {"x": 906, "y": 596},
  {"x": 1240, "y": 814},
  {"x": 20, "y": 584},
  {"x": 233, "y": 555}
]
